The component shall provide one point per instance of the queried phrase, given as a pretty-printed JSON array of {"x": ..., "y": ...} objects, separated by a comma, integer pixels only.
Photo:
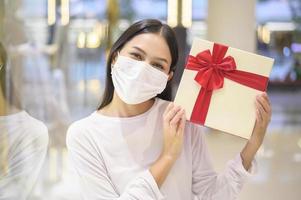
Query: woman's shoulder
[
  {"x": 197, "y": 132},
  {"x": 79, "y": 124},
  {"x": 162, "y": 104},
  {"x": 31, "y": 129},
  {"x": 78, "y": 130},
  {"x": 196, "y": 128}
]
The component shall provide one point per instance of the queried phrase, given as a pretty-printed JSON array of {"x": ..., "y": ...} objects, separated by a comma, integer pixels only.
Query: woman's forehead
[{"x": 152, "y": 43}]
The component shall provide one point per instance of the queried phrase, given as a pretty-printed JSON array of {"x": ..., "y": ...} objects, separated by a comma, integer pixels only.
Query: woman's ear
[
  {"x": 170, "y": 75},
  {"x": 114, "y": 57}
]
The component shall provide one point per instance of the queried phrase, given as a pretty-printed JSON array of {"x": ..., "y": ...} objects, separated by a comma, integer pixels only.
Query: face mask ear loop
[{"x": 118, "y": 53}]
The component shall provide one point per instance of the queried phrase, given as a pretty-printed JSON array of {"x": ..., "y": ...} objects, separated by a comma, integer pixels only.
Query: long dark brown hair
[{"x": 140, "y": 27}]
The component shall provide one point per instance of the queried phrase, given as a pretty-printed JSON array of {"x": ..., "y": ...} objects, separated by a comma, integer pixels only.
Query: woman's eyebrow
[
  {"x": 161, "y": 59},
  {"x": 157, "y": 58},
  {"x": 139, "y": 49}
]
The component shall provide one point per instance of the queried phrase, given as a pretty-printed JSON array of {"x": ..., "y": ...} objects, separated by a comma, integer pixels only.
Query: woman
[
  {"x": 23, "y": 141},
  {"x": 137, "y": 145}
]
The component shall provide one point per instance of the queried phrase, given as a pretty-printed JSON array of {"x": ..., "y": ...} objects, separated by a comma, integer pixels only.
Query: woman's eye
[
  {"x": 158, "y": 66},
  {"x": 136, "y": 56}
]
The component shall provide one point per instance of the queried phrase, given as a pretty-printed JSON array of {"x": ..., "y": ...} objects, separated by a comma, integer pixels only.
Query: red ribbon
[{"x": 212, "y": 69}]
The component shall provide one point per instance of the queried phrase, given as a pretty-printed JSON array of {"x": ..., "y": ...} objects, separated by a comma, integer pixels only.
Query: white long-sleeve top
[
  {"x": 23, "y": 147},
  {"x": 112, "y": 157}
]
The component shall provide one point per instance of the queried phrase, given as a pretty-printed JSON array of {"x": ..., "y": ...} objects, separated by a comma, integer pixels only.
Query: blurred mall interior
[{"x": 56, "y": 61}]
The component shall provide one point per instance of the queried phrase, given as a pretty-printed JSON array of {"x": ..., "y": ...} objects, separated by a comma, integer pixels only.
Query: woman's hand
[
  {"x": 263, "y": 118},
  {"x": 173, "y": 130},
  {"x": 173, "y": 133}
]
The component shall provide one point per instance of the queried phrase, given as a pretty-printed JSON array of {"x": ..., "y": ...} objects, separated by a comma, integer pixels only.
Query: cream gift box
[{"x": 219, "y": 85}]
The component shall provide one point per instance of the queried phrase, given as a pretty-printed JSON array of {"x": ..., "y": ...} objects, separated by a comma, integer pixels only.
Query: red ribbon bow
[{"x": 212, "y": 69}]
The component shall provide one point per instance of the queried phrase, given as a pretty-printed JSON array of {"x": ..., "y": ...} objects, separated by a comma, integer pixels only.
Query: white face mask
[{"x": 137, "y": 81}]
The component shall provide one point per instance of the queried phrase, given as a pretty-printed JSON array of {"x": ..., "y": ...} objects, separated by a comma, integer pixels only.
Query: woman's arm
[
  {"x": 94, "y": 179},
  {"x": 160, "y": 169},
  {"x": 27, "y": 152},
  {"x": 206, "y": 183},
  {"x": 95, "y": 182},
  {"x": 173, "y": 131},
  {"x": 263, "y": 117}
]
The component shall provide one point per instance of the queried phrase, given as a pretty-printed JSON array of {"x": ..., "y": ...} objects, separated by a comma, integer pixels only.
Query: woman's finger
[
  {"x": 176, "y": 118},
  {"x": 168, "y": 108},
  {"x": 172, "y": 113},
  {"x": 264, "y": 115},
  {"x": 265, "y": 95},
  {"x": 259, "y": 111},
  {"x": 182, "y": 125},
  {"x": 259, "y": 119},
  {"x": 174, "y": 123},
  {"x": 264, "y": 103}
]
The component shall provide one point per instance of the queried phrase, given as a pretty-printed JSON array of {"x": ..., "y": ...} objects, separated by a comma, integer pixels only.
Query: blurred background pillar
[
  {"x": 2, "y": 11},
  {"x": 2, "y": 14},
  {"x": 112, "y": 17},
  {"x": 233, "y": 23}
]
